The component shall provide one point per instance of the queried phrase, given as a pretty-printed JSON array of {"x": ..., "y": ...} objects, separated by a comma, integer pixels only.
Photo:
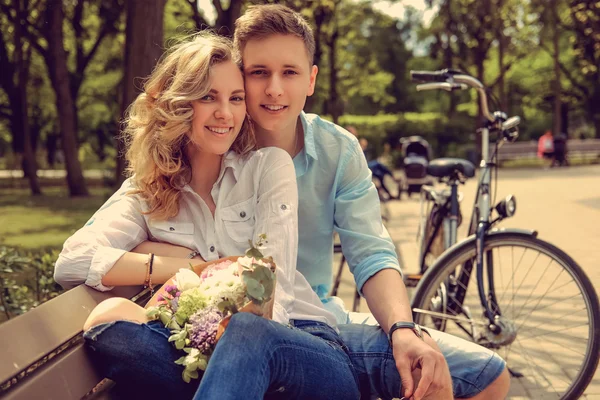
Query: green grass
[{"x": 35, "y": 222}]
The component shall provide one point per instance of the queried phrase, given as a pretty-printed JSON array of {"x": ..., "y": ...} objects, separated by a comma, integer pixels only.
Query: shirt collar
[
  {"x": 309, "y": 136},
  {"x": 301, "y": 160}
]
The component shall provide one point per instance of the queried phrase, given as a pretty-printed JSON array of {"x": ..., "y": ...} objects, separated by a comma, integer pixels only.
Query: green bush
[
  {"x": 447, "y": 137},
  {"x": 26, "y": 280}
]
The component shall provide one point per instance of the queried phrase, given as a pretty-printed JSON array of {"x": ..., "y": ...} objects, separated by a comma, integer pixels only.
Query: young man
[{"x": 336, "y": 193}]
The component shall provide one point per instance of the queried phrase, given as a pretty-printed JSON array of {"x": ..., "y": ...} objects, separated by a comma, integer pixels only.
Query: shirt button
[
  {"x": 171, "y": 229},
  {"x": 212, "y": 248},
  {"x": 283, "y": 207},
  {"x": 243, "y": 214}
]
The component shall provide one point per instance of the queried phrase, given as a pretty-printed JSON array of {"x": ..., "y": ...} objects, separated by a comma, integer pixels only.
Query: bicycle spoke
[
  {"x": 555, "y": 302},
  {"x": 512, "y": 280},
  {"x": 536, "y": 285},
  {"x": 528, "y": 271},
  {"x": 569, "y": 313},
  {"x": 559, "y": 330},
  {"x": 562, "y": 345},
  {"x": 537, "y": 367}
]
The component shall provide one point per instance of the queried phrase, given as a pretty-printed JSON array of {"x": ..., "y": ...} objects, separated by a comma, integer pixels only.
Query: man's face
[{"x": 278, "y": 80}]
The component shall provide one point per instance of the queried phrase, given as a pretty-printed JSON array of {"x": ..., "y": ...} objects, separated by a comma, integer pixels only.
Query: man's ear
[{"x": 313, "y": 79}]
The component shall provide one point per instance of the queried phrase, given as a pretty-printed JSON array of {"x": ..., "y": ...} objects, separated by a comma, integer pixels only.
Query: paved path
[{"x": 562, "y": 204}]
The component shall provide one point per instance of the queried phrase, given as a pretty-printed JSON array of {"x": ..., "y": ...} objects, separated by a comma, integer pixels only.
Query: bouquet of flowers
[{"x": 197, "y": 305}]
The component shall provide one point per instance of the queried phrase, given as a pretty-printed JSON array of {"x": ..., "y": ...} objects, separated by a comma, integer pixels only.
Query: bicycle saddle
[{"x": 445, "y": 167}]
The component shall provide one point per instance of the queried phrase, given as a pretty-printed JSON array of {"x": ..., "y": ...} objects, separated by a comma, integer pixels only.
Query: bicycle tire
[{"x": 452, "y": 261}]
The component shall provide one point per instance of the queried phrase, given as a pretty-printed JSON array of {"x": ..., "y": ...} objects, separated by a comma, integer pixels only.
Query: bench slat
[
  {"x": 29, "y": 337},
  {"x": 69, "y": 377}
]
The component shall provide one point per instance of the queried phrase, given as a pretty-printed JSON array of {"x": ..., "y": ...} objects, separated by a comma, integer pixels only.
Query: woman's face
[{"x": 219, "y": 115}]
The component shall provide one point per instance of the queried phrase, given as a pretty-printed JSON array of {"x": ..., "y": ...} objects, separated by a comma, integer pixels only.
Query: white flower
[
  {"x": 246, "y": 261},
  {"x": 186, "y": 279}
]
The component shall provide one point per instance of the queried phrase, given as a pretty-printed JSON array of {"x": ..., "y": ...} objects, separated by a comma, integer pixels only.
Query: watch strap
[{"x": 405, "y": 325}]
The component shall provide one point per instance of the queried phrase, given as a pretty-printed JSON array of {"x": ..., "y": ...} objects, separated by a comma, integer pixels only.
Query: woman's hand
[{"x": 197, "y": 268}]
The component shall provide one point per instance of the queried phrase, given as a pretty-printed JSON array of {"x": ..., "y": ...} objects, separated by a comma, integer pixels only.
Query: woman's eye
[
  {"x": 208, "y": 97},
  {"x": 237, "y": 98}
]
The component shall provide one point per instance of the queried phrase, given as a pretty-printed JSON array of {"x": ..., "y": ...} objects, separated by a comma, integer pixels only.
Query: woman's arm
[
  {"x": 99, "y": 254},
  {"x": 164, "y": 249}
]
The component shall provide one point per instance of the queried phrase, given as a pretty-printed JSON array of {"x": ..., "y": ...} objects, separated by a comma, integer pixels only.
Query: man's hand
[{"x": 414, "y": 356}]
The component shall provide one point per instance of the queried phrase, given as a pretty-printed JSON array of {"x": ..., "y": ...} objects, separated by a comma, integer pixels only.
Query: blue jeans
[
  {"x": 141, "y": 361},
  {"x": 254, "y": 359}
]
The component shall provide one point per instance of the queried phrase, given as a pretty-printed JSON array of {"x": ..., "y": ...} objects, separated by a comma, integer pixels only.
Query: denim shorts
[{"x": 472, "y": 367}]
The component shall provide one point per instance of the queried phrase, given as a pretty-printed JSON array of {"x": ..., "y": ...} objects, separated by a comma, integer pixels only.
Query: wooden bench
[
  {"x": 586, "y": 148},
  {"x": 42, "y": 351}
]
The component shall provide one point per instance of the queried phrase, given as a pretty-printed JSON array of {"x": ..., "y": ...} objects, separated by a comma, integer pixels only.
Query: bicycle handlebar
[{"x": 453, "y": 77}]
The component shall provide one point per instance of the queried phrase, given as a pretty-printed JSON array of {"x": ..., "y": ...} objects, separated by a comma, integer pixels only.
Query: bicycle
[{"x": 505, "y": 313}]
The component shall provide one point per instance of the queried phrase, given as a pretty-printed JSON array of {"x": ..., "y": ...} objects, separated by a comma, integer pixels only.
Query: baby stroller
[{"x": 416, "y": 154}]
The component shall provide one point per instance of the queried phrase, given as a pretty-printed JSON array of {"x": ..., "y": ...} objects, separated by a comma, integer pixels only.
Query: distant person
[
  {"x": 546, "y": 147},
  {"x": 560, "y": 150},
  {"x": 378, "y": 169}
]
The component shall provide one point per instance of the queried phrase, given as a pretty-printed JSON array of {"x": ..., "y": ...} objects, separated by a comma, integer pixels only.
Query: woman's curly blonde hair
[{"x": 158, "y": 121}]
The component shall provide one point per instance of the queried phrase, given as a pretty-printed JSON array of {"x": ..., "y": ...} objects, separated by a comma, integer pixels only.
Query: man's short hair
[{"x": 261, "y": 21}]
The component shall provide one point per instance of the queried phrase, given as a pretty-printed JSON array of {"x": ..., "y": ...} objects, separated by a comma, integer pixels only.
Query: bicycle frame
[{"x": 481, "y": 217}]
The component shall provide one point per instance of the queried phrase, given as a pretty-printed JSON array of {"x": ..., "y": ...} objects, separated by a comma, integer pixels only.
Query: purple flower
[
  {"x": 203, "y": 333},
  {"x": 170, "y": 289}
]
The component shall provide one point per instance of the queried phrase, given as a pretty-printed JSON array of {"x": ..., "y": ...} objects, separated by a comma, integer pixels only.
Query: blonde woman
[{"x": 198, "y": 184}]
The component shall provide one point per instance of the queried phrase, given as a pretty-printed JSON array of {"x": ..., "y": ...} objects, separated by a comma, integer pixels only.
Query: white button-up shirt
[{"x": 254, "y": 194}]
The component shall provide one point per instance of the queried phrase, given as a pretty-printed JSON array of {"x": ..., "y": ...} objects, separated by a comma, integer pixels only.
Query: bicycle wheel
[{"x": 547, "y": 304}]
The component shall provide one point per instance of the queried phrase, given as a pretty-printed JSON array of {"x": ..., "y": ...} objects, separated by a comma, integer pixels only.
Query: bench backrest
[{"x": 42, "y": 353}]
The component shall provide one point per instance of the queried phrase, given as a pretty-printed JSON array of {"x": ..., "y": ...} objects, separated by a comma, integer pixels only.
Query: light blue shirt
[{"x": 336, "y": 193}]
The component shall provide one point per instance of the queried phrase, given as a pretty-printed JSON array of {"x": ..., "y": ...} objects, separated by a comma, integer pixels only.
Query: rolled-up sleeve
[
  {"x": 116, "y": 228},
  {"x": 277, "y": 217},
  {"x": 366, "y": 243}
]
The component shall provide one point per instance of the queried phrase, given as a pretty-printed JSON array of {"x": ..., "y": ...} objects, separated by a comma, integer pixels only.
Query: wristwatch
[
  {"x": 193, "y": 254},
  {"x": 417, "y": 329}
]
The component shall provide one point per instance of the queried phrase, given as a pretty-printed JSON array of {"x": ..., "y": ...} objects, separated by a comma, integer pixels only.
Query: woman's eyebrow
[{"x": 215, "y": 91}]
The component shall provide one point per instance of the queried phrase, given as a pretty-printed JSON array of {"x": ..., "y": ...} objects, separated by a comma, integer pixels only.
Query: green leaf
[
  {"x": 255, "y": 289},
  {"x": 260, "y": 282}
]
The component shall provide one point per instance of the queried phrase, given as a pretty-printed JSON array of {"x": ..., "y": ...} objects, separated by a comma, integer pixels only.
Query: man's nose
[{"x": 274, "y": 88}]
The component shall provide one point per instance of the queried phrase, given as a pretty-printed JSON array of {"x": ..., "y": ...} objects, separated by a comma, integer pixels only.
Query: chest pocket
[
  {"x": 239, "y": 221},
  {"x": 173, "y": 232}
]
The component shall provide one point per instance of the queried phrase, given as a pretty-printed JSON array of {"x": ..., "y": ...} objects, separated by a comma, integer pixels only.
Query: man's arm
[{"x": 373, "y": 261}]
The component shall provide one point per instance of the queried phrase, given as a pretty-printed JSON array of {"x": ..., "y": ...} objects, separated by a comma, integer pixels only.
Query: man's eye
[
  {"x": 258, "y": 72},
  {"x": 290, "y": 72}
]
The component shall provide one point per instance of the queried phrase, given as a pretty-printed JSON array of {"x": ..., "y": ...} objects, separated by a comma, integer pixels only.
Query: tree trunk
[
  {"x": 67, "y": 116},
  {"x": 501, "y": 88},
  {"x": 449, "y": 53},
  {"x": 556, "y": 84},
  {"x": 22, "y": 63},
  {"x": 143, "y": 48},
  {"x": 319, "y": 17},
  {"x": 334, "y": 101}
]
